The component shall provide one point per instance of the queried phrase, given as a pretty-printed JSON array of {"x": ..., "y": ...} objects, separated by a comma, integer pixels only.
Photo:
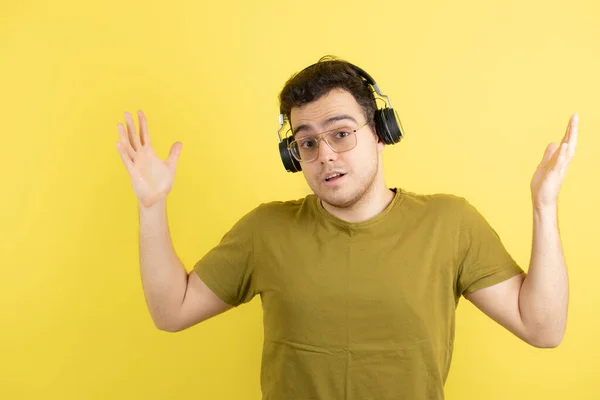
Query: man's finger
[
  {"x": 174, "y": 154},
  {"x": 573, "y": 121},
  {"x": 565, "y": 138},
  {"x": 573, "y": 136},
  {"x": 133, "y": 137},
  {"x": 562, "y": 157},
  {"x": 548, "y": 154},
  {"x": 144, "y": 134},
  {"x": 124, "y": 157},
  {"x": 125, "y": 144}
]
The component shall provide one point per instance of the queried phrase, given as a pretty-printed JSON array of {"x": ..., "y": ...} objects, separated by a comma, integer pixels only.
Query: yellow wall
[{"x": 481, "y": 87}]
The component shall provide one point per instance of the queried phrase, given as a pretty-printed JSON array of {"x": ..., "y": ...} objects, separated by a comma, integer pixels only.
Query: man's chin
[{"x": 338, "y": 198}]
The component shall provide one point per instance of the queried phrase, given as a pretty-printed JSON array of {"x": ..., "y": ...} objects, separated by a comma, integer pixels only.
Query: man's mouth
[{"x": 334, "y": 177}]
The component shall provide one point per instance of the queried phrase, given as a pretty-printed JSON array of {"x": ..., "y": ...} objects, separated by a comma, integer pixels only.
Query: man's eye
[
  {"x": 307, "y": 144},
  {"x": 342, "y": 134}
]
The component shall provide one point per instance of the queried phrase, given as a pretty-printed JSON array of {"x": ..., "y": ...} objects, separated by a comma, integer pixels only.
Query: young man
[{"x": 359, "y": 282}]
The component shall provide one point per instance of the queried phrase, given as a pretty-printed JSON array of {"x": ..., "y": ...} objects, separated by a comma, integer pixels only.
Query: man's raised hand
[{"x": 151, "y": 178}]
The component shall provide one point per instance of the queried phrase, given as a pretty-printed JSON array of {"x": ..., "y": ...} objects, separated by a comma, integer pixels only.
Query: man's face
[{"x": 359, "y": 166}]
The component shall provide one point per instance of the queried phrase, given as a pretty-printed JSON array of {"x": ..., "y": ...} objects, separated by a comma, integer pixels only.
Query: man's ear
[{"x": 380, "y": 144}]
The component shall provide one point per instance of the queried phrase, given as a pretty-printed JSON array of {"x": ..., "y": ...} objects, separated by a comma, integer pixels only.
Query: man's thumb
[{"x": 174, "y": 154}]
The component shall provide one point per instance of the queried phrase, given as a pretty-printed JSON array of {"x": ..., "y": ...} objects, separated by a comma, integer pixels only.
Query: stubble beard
[{"x": 349, "y": 193}]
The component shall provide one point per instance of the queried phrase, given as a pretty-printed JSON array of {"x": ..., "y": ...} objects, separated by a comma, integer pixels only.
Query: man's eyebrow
[{"x": 328, "y": 121}]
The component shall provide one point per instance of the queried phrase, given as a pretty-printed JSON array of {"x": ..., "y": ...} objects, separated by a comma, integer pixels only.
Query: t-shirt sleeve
[
  {"x": 484, "y": 260},
  {"x": 228, "y": 268}
]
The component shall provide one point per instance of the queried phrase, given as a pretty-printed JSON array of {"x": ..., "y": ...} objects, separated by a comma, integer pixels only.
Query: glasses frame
[{"x": 321, "y": 136}]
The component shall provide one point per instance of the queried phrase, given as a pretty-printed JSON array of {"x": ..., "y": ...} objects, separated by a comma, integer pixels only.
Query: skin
[{"x": 532, "y": 306}]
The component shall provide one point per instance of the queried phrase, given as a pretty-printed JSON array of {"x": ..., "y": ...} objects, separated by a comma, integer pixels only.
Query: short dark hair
[{"x": 319, "y": 79}]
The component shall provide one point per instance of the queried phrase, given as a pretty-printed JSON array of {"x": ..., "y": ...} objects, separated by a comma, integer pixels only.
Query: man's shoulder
[
  {"x": 269, "y": 214},
  {"x": 282, "y": 208},
  {"x": 440, "y": 201}
]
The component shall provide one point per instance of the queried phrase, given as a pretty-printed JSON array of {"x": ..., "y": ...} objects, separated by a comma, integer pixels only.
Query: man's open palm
[
  {"x": 549, "y": 175},
  {"x": 151, "y": 177}
]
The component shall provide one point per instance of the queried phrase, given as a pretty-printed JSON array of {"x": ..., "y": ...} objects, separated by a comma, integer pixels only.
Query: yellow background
[{"x": 481, "y": 88}]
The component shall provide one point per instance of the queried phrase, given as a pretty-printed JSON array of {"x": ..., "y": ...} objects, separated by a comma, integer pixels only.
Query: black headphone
[{"x": 387, "y": 123}]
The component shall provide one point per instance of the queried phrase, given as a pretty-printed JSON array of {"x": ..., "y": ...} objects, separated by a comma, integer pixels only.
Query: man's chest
[{"x": 341, "y": 292}]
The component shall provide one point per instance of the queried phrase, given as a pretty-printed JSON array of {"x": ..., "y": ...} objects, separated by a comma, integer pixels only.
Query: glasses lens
[
  {"x": 342, "y": 139},
  {"x": 304, "y": 149}
]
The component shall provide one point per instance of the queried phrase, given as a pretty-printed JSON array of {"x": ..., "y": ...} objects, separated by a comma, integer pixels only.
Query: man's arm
[
  {"x": 176, "y": 300},
  {"x": 533, "y": 306}
]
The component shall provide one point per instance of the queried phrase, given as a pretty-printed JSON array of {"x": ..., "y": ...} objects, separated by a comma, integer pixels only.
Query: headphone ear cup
[
  {"x": 289, "y": 162},
  {"x": 394, "y": 126},
  {"x": 381, "y": 126},
  {"x": 388, "y": 126}
]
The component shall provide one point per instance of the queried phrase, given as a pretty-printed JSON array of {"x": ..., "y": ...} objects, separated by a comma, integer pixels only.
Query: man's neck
[{"x": 370, "y": 205}]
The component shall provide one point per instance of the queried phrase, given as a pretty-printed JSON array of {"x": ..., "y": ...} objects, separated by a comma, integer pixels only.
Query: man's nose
[{"x": 325, "y": 152}]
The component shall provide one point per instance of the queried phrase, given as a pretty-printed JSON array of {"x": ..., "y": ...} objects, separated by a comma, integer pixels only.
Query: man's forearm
[
  {"x": 544, "y": 295},
  {"x": 164, "y": 278}
]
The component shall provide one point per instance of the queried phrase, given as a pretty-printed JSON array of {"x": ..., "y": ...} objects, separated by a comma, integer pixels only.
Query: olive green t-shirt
[{"x": 356, "y": 311}]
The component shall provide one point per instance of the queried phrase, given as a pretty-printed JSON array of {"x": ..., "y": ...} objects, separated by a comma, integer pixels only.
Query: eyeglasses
[{"x": 341, "y": 139}]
